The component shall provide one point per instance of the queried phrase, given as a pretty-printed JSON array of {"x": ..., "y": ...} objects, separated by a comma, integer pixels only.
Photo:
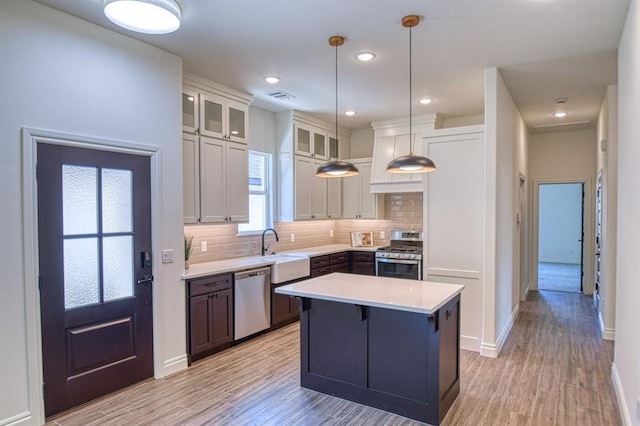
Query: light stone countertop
[
  {"x": 423, "y": 297},
  {"x": 243, "y": 263}
]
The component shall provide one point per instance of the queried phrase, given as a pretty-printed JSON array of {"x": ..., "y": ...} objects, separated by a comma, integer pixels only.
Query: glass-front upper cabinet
[
  {"x": 334, "y": 147},
  {"x": 189, "y": 111},
  {"x": 223, "y": 118},
  {"x": 310, "y": 141}
]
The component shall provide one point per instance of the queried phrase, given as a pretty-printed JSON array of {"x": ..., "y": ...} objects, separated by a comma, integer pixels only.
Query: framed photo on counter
[{"x": 362, "y": 239}]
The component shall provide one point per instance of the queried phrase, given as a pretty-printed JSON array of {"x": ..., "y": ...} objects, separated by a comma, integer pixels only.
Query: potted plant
[{"x": 188, "y": 247}]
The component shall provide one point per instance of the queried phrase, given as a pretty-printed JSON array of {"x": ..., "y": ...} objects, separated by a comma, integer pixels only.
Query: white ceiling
[{"x": 545, "y": 49}]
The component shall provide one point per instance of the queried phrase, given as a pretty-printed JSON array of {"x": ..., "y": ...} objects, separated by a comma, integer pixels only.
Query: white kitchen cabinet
[
  {"x": 224, "y": 181},
  {"x": 191, "y": 178},
  {"x": 190, "y": 109},
  {"x": 391, "y": 140},
  {"x": 223, "y": 118},
  {"x": 304, "y": 144},
  {"x": 357, "y": 200}
]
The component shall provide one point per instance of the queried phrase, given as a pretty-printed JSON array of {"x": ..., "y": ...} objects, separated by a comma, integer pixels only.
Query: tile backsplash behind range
[{"x": 402, "y": 211}]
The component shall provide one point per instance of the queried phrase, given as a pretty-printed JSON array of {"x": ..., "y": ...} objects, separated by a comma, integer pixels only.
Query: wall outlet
[
  {"x": 331, "y": 233},
  {"x": 167, "y": 256},
  {"x": 382, "y": 235},
  {"x": 293, "y": 238},
  {"x": 203, "y": 246}
]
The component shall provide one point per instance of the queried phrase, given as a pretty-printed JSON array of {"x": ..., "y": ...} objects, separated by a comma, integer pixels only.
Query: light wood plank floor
[{"x": 553, "y": 370}]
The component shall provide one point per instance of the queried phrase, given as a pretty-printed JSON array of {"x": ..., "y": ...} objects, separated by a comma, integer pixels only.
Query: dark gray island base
[{"x": 399, "y": 361}]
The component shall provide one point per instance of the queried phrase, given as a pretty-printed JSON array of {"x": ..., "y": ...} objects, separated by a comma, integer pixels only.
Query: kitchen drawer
[
  {"x": 320, "y": 271},
  {"x": 320, "y": 262},
  {"x": 359, "y": 256},
  {"x": 334, "y": 259},
  {"x": 209, "y": 284},
  {"x": 340, "y": 267}
]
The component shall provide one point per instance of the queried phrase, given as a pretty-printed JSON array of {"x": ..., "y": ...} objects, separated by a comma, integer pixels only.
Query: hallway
[{"x": 553, "y": 370}]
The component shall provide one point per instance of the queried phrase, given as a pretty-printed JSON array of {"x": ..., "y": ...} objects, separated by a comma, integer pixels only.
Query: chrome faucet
[{"x": 264, "y": 249}]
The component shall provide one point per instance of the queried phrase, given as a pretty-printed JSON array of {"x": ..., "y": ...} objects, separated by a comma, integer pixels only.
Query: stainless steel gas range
[{"x": 402, "y": 258}]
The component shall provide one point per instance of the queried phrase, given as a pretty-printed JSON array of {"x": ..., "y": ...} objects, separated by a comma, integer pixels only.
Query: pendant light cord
[
  {"x": 410, "y": 93},
  {"x": 337, "y": 94}
]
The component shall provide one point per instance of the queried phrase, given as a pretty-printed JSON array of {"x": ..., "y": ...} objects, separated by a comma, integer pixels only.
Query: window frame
[{"x": 268, "y": 193}]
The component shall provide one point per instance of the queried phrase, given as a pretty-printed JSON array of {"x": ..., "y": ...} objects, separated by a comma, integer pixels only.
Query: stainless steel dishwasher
[{"x": 252, "y": 306}]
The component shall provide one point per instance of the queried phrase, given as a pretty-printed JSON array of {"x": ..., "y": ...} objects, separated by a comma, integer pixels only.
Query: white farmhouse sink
[{"x": 288, "y": 267}]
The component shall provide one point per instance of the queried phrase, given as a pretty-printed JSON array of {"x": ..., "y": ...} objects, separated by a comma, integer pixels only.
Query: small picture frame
[{"x": 362, "y": 239}]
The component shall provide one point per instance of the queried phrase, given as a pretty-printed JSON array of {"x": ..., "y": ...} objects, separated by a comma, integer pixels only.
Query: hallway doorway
[{"x": 561, "y": 237}]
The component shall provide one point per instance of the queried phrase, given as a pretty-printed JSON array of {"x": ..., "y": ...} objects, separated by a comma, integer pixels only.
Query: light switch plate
[
  {"x": 638, "y": 409},
  {"x": 331, "y": 233},
  {"x": 203, "y": 246},
  {"x": 382, "y": 235},
  {"x": 293, "y": 238},
  {"x": 167, "y": 256}
]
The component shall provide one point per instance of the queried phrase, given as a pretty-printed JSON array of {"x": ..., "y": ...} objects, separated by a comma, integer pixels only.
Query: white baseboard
[
  {"x": 492, "y": 350},
  {"x": 624, "y": 410},
  {"x": 607, "y": 333},
  {"x": 19, "y": 419},
  {"x": 469, "y": 343},
  {"x": 173, "y": 365}
]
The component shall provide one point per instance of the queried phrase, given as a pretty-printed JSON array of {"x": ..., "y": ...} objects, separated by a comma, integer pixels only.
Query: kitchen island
[{"x": 388, "y": 343}]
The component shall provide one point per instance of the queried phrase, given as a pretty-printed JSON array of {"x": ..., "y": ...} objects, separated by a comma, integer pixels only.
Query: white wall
[
  {"x": 567, "y": 156},
  {"x": 362, "y": 143},
  {"x": 66, "y": 75},
  {"x": 626, "y": 369},
  {"x": 560, "y": 223},
  {"x": 607, "y": 163},
  {"x": 506, "y": 155}
]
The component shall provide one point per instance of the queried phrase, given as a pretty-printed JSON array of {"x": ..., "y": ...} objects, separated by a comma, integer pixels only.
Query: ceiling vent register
[{"x": 280, "y": 95}]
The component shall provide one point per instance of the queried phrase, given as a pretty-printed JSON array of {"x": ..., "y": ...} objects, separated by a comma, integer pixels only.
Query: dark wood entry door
[{"x": 94, "y": 225}]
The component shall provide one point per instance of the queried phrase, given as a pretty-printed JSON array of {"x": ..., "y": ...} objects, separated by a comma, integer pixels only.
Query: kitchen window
[{"x": 259, "y": 194}]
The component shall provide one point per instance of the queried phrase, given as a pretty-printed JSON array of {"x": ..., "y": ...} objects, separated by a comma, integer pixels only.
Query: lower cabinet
[
  {"x": 284, "y": 309},
  {"x": 363, "y": 263},
  {"x": 210, "y": 315}
]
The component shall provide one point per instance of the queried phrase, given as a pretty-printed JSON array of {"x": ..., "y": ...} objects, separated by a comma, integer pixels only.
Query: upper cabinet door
[
  {"x": 236, "y": 119},
  {"x": 211, "y": 116},
  {"x": 189, "y": 111},
  {"x": 190, "y": 178},
  {"x": 334, "y": 147},
  {"x": 303, "y": 142},
  {"x": 319, "y": 144},
  {"x": 237, "y": 171}
]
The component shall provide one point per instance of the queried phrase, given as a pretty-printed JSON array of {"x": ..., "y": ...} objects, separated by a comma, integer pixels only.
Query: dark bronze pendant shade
[
  {"x": 411, "y": 163},
  {"x": 337, "y": 168}
]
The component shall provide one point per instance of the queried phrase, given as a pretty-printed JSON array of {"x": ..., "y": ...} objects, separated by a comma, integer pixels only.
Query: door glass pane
[
  {"x": 117, "y": 202},
  {"x": 333, "y": 148},
  {"x": 212, "y": 117},
  {"x": 80, "y": 272},
  {"x": 188, "y": 110},
  {"x": 304, "y": 140},
  {"x": 236, "y": 122},
  {"x": 79, "y": 200},
  {"x": 318, "y": 144},
  {"x": 117, "y": 272}
]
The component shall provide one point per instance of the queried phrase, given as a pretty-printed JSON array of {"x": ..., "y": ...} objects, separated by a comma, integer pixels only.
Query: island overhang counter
[{"x": 389, "y": 343}]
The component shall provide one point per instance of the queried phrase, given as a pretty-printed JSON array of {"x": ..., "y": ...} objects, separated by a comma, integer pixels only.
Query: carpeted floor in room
[{"x": 559, "y": 277}]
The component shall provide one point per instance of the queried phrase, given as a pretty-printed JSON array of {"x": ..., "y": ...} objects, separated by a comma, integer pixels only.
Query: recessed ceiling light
[
  {"x": 559, "y": 114},
  {"x": 425, "y": 101},
  {"x": 365, "y": 56},
  {"x": 144, "y": 16},
  {"x": 272, "y": 79},
  {"x": 350, "y": 113}
]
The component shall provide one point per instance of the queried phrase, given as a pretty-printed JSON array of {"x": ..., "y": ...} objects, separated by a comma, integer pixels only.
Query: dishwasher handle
[{"x": 252, "y": 273}]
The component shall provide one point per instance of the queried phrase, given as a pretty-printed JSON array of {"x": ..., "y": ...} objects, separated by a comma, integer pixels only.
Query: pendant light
[
  {"x": 144, "y": 16},
  {"x": 337, "y": 168},
  {"x": 410, "y": 163}
]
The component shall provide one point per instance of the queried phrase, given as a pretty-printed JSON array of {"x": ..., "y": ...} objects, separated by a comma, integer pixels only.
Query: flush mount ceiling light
[
  {"x": 144, "y": 16},
  {"x": 272, "y": 79},
  {"x": 425, "y": 101},
  {"x": 365, "y": 56},
  {"x": 337, "y": 168},
  {"x": 410, "y": 163},
  {"x": 560, "y": 114},
  {"x": 350, "y": 113}
]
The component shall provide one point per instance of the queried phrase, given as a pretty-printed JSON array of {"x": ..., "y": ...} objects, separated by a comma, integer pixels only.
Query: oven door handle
[{"x": 406, "y": 262}]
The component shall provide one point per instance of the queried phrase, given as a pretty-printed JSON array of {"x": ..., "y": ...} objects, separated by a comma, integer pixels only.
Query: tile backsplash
[{"x": 402, "y": 211}]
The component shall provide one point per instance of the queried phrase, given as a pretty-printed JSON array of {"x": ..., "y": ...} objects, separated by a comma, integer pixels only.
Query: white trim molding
[
  {"x": 622, "y": 406},
  {"x": 173, "y": 365},
  {"x": 470, "y": 343},
  {"x": 607, "y": 333},
  {"x": 493, "y": 350}
]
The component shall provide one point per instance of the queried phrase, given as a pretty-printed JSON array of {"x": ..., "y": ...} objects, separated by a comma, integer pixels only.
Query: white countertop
[
  {"x": 197, "y": 270},
  {"x": 423, "y": 297}
]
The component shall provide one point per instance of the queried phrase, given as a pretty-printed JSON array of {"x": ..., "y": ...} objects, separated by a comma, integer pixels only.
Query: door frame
[
  {"x": 30, "y": 138},
  {"x": 588, "y": 252}
]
